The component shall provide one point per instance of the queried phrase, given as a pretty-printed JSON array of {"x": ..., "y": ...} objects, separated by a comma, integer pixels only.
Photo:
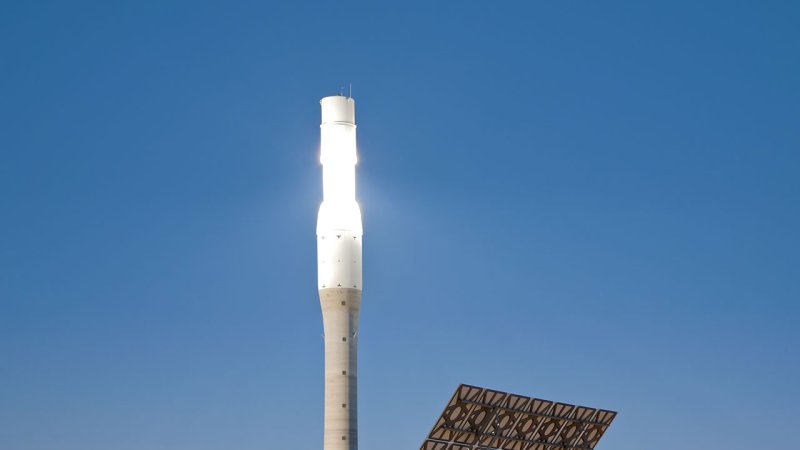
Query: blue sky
[{"x": 591, "y": 202}]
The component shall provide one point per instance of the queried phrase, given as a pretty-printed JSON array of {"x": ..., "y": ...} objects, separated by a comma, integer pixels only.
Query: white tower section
[{"x": 339, "y": 270}]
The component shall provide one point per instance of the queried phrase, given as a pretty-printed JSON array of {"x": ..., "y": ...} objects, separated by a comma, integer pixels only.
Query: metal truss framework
[{"x": 482, "y": 419}]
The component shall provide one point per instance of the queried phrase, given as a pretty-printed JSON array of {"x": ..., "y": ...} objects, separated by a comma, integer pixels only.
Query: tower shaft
[{"x": 339, "y": 234}]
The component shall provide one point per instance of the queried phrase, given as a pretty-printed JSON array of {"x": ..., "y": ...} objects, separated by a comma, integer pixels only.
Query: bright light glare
[
  {"x": 339, "y": 210},
  {"x": 339, "y": 182}
]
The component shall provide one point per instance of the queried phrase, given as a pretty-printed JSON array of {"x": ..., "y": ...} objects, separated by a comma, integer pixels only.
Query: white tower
[{"x": 339, "y": 270}]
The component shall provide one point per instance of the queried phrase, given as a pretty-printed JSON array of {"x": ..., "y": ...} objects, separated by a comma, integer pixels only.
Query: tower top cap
[{"x": 338, "y": 108}]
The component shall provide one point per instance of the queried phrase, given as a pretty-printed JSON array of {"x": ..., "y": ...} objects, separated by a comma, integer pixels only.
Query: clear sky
[{"x": 591, "y": 202}]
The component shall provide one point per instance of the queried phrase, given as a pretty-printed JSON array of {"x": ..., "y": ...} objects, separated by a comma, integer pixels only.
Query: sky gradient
[{"x": 589, "y": 202}]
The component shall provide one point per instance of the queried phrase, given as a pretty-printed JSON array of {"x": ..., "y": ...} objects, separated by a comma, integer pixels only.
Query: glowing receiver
[{"x": 339, "y": 228}]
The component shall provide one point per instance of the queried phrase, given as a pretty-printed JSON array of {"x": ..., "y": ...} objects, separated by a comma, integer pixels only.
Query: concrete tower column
[{"x": 339, "y": 234}]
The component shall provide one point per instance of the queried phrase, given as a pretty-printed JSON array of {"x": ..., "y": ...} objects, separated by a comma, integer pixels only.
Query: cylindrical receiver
[
  {"x": 338, "y": 152},
  {"x": 339, "y": 227}
]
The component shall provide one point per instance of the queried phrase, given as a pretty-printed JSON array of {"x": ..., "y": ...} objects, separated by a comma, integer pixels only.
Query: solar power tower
[
  {"x": 339, "y": 233},
  {"x": 483, "y": 419}
]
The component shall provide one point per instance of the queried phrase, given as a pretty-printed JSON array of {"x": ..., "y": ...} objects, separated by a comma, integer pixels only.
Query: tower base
[{"x": 340, "y": 311}]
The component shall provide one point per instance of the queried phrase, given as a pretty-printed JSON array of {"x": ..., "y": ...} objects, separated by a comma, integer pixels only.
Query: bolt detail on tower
[{"x": 339, "y": 234}]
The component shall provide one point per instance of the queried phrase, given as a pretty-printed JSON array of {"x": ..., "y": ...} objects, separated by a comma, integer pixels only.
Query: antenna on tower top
[{"x": 351, "y": 90}]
